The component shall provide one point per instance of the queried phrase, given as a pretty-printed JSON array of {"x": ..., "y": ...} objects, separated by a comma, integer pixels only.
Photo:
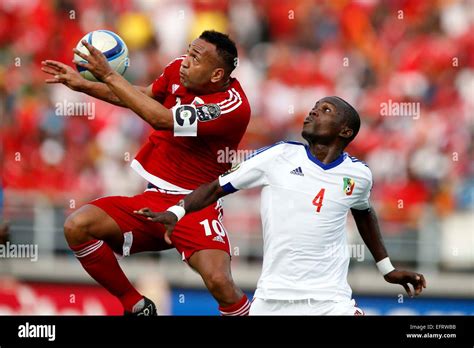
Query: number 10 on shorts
[{"x": 216, "y": 226}]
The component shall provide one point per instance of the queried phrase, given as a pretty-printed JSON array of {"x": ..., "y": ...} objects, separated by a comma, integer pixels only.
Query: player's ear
[
  {"x": 346, "y": 132},
  {"x": 217, "y": 75}
]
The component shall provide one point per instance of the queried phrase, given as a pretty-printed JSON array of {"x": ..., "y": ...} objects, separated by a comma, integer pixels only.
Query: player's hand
[
  {"x": 404, "y": 278},
  {"x": 167, "y": 218},
  {"x": 97, "y": 64},
  {"x": 64, "y": 74}
]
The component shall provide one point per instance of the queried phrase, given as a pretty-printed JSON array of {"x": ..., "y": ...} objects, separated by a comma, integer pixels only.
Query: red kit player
[{"x": 196, "y": 109}]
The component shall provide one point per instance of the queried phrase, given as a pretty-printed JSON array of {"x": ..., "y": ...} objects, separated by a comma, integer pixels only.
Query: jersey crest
[{"x": 348, "y": 185}]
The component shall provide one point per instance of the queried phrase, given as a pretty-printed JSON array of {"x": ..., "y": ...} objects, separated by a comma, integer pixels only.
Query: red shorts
[{"x": 195, "y": 231}]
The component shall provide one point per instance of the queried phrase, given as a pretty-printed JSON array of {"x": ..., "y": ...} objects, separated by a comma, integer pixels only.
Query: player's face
[
  {"x": 324, "y": 123},
  {"x": 197, "y": 68}
]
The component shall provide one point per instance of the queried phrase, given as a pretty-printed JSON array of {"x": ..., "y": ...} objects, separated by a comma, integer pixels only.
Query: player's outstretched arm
[
  {"x": 200, "y": 198},
  {"x": 367, "y": 224},
  {"x": 65, "y": 74},
  {"x": 157, "y": 115}
]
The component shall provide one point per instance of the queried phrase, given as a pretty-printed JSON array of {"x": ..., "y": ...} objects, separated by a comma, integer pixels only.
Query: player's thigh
[
  {"x": 203, "y": 230},
  {"x": 137, "y": 233},
  {"x": 91, "y": 222}
]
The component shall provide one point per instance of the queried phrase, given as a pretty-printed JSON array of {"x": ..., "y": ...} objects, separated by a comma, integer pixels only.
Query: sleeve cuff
[{"x": 228, "y": 188}]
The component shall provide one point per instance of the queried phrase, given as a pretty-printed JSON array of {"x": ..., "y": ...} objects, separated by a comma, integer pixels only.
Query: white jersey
[{"x": 304, "y": 206}]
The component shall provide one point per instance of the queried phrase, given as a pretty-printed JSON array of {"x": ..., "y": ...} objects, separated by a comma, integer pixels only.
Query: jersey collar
[{"x": 333, "y": 164}]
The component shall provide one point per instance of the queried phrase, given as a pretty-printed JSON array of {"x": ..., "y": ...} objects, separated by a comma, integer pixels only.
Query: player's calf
[
  {"x": 90, "y": 232},
  {"x": 214, "y": 267},
  {"x": 232, "y": 301}
]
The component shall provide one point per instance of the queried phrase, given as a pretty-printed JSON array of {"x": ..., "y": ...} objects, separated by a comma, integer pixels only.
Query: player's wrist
[
  {"x": 85, "y": 86},
  {"x": 177, "y": 210},
  {"x": 385, "y": 266},
  {"x": 109, "y": 76}
]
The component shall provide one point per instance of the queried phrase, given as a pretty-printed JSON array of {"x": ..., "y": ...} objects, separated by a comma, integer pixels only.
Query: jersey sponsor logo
[
  {"x": 174, "y": 88},
  {"x": 208, "y": 112},
  {"x": 297, "y": 171},
  {"x": 218, "y": 239},
  {"x": 348, "y": 186}
]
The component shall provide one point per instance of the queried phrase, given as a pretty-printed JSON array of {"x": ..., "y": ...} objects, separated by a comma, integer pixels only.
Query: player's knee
[{"x": 77, "y": 229}]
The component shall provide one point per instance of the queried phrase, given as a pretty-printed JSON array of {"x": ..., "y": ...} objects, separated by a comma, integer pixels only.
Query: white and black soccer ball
[{"x": 111, "y": 45}]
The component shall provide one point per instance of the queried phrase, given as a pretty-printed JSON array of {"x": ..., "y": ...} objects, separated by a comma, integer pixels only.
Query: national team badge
[
  {"x": 348, "y": 186},
  {"x": 208, "y": 112}
]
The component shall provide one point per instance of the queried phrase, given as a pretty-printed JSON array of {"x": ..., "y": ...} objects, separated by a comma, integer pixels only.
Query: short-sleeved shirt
[
  {"x": 304, "y": 208},
  {"x": 182, "y": 163}
]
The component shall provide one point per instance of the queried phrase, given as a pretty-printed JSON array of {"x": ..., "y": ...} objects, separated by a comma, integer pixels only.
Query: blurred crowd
[{"x": 291, "y": 53}]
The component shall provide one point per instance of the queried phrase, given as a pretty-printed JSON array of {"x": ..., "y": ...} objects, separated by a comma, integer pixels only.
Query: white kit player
[{"x": 307, "y": 192}]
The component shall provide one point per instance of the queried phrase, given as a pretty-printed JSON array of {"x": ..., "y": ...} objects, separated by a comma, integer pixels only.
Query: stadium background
[{"x": 291, "y": 54}]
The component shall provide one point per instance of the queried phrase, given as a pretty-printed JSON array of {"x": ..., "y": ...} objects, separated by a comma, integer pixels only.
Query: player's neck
[
  {"x": 325, "y": 153},
  {"x": 214, "y": 88}
]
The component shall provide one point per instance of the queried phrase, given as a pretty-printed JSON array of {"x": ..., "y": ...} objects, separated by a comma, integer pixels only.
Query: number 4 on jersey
[{"x": 318, "y": 200}]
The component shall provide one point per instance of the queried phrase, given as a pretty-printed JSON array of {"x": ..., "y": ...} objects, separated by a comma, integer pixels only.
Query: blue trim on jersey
[
  {"x": 265, "y": 148},
  {"x": 228, "y": 188},
  {"x": 333, "y": 164},
  {"x": 354, "y": 159}
]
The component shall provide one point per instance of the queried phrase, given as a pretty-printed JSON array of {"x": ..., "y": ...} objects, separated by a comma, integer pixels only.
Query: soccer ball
[{"x": 111, "y": 45}]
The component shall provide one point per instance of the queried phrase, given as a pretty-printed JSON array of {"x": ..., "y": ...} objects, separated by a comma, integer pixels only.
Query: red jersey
[{"x": 183, "y": 163}]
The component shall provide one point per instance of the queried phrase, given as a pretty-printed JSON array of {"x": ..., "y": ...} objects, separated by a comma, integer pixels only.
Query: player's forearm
[
  {"x": 203, "y": 196},
  {"x": 101, "y": 91},
  {"x": 368, "y": 226},
  {"x": 158, "y": 116}
]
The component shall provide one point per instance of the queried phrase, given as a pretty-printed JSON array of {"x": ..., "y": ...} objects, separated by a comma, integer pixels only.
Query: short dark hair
[
  {"x": 351, "y": 117},
  {"x": 225, "y": 48}
]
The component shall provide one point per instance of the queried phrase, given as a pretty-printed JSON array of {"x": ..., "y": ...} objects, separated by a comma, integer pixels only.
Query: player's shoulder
[
  {"x": 277, "y": 149},
  {"x": 230, "y": 99},
  {"x": 358, "y": 166},
  {"x": 177, "y": 60},
  {"x": 175, "y": 64}
]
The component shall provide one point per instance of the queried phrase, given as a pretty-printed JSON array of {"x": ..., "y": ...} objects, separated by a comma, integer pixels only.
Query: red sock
[
  {"x": 99, "y": 261},
  {"x": 241, "y": 308}
]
